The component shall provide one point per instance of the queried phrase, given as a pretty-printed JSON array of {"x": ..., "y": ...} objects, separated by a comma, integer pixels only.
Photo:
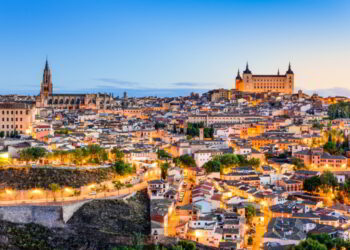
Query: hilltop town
[{"x": 254, "y": 166}]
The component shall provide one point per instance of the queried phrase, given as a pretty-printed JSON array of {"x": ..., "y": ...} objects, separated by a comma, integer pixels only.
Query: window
[
  {"x": 20, "y": 112},
  {"x": 11, "y": 112}
]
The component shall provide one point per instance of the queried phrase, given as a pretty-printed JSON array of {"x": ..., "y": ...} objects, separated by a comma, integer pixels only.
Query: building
[
  {"x": 265, "y": 83},
  {"x": 16, "y": 117},
  {"x": 47, "y": 99},
  {"x": 219, "y": 94},
  {"x": 318, "y": 158}
]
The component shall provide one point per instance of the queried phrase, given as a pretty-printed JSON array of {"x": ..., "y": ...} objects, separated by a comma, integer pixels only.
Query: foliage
[
  {"x": 250, "y": 240},
  {"x": 250, "y": 212},
  {"x": 118, "y": 185},
  {"x": 163, "y": 154},
  {"x": 63, "y": 131},
  {"x": 212, "y": 166},
  {"x": 164, "y": 168},
  {"x": 317, "y": 125},
  {"x": 185, "y": 160},
  {"x": 122, "y": 168},
  {"x": 32, "y": 154},
  {"x": 322, "y": 241},
  {"x": 339, "y": 110},
  {"x": 325, "y": 182},
  {"x": 299, "y": 164},
  {"x": 310, "y": 244},
  {"x": 220, "y": 162},
  {"x": 312, "y": 184},
  {"x": 2, "y": 134},
  {"x": 337, "y": 144},
  {"x": 159, "y": 125},
  {"x": 119, "y": 155},
  {"x": 193, "y": 130}
]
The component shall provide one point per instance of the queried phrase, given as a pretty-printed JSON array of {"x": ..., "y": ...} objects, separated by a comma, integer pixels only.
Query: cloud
[
  {"x": 118, "y": 82},
  {"x": 193, "y": 84}
]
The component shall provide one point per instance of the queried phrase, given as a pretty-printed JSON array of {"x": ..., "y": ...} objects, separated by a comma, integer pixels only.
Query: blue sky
[{"x": 97, "y": 45}]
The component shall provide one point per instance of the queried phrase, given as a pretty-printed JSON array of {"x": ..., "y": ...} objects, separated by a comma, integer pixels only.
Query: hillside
[{"x": 97, "y": 225}]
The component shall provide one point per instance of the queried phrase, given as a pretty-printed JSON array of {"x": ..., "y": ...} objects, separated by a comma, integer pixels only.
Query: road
[
  {"x": 174, "y": 219},
  {"x": 45, "y": 197},
  {"x": 261, "y": 229}
]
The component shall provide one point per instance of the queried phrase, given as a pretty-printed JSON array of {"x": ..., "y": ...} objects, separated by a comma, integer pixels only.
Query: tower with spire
[{"x": 46, "y": 84}]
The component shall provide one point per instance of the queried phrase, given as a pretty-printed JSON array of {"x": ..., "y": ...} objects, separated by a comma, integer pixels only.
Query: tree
[
  {"x": 312, "y": 184},
  {"x": 118, "y": 154},
  {"x": 250, "y": 212},
  {"x": 163, "y": 154},
  {"x": 339, "y": 110},
  {"x": 328, "y": 181},
  {"x": 164, "y": 168},
  {"x": 159, "y": 125},
  {"x": 250, "y": 240},
  {"x": 54, "y": 188},
  {"x": 187, "y": 245},
  {"x": 2, "y": 134},
  {"x": 32, "y": 154},
  {"x": 310, "y": 244},
  {"x": 298, "y": 163},
  {"x": 212, "y": 166},
  {"x": 118, "y": 185},
  {"x": 185, "y": 160},
  {"x": 123, "y": 168}
]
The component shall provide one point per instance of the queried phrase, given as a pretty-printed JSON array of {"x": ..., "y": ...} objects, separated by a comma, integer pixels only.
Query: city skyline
[{"x": 117, "y": 46}]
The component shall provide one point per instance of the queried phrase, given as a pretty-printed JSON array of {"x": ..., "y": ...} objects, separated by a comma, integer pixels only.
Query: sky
[{"x": 155, "y": 45}]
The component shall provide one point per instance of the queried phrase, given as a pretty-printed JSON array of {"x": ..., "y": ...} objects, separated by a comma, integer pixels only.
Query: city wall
[{"x": 48, "y": 216}]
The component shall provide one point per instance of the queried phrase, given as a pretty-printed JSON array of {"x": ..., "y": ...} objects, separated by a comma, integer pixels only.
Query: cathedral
[
  {"x": 47, "y": 99},
  {"x": 265, "y": 83}
]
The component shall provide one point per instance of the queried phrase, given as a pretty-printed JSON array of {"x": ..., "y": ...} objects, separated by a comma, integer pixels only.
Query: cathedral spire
[
  {"x": 247, "y": 71},
  {"x": 47, "y": 68},
  {"x": 238, "y": 77},
  {"x": 290, "y": 71},
  {"x": 278, "y": 72}
]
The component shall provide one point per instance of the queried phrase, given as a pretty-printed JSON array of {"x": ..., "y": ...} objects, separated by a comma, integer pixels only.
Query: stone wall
[{"x": 49, "y": 216}]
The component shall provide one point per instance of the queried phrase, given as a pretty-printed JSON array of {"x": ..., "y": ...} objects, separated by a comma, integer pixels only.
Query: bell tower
[{"x": 46, "y": 84}]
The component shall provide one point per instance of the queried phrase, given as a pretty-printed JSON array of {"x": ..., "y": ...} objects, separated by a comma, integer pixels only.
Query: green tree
[
  {"x": 32, "y": 154},
  {"x": 118, "y": 185},
  {"x": 187, "y": 245},
  {"x": 250, "y": 212},
  {"x": 163, "y": 154},
  {"x": 298, "y": 163},
  {"x": 54, "y": 189},
  {"x": 310, "y": 244},
  {"x": 250, "y": 240},
  {"x": 2, "y": 134},
  {"x": 185, "y": 160},
  {"x": 328, "y": 181},
  {"x": 312, "y": 184},
  {"x": 118, "y": 154},
  {"x": 123, "y": 168},
  {"x": 212, "y": 166},
  {"x": 164, "y": 169}
]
